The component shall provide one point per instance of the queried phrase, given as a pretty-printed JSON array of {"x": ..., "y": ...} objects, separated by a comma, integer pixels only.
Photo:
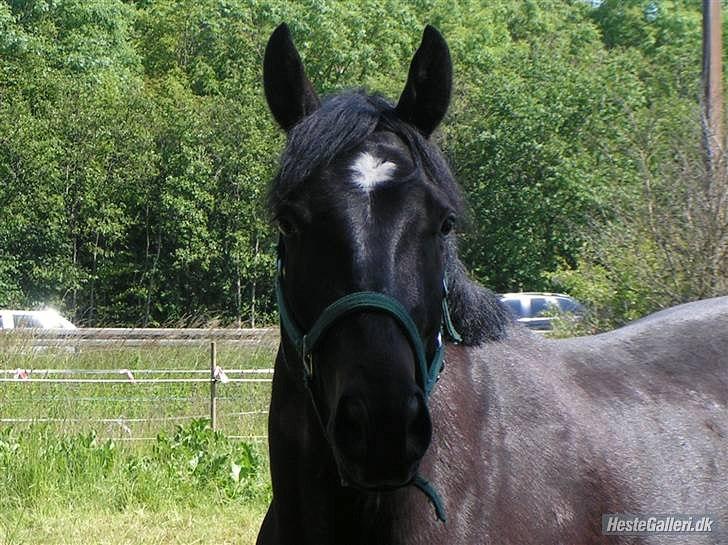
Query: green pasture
[{"x": 130, "y": 462}]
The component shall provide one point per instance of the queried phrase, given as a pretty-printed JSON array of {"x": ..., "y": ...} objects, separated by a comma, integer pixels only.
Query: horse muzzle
[{"x": 379, "y": 443}]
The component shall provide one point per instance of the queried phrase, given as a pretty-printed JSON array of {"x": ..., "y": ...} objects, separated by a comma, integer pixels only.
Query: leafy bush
[
  {"x": 665, "y": 241},
  {"x": 206, "y": 459}
]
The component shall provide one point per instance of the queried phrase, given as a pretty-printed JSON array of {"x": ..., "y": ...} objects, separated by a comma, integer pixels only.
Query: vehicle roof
[
  {"x": 44, "y": 311},
  {"x": 50, "y": 318},
  {"x": 534, "y": 294}
]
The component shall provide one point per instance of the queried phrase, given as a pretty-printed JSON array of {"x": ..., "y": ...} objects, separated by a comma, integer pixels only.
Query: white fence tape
[
  {"x": 122, "y": 419},
  {"x": 137, "y": 371},
  {"x": 129, "y": 380},
  {"x": 113, "y": 338}
]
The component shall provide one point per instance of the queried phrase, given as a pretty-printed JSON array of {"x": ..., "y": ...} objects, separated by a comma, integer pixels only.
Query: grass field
[
  {"x": 150, "y": 472},
  {"x": 219, "y": 525}
]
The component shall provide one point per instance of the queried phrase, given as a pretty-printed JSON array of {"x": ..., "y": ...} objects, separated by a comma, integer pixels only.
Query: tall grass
[
  {"x": 191, "y": 470},
  {"x": 81, "y": 481},
  {"x": 132, "y": 410},
  {"x": 191, "y": 466}
]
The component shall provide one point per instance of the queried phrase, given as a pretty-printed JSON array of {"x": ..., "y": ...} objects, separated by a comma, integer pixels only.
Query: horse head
[{"x": 365, "y": 206}]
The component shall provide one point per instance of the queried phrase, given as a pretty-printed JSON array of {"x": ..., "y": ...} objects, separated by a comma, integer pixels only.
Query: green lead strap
[
  {"x": 438, "y": 362},
  {"x": 426, "y": 487},
  {"x": 287, "y": 323}
]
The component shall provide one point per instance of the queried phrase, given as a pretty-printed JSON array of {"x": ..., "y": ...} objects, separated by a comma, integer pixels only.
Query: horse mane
[
  {"x": 342, "y": 123},
  {"x": 477, "y": 314}
]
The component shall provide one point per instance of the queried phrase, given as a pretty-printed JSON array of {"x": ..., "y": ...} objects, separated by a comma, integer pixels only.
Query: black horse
[{"x": 522, "y": 440}]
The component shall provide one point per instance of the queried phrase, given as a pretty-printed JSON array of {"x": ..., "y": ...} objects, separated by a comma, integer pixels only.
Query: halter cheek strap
[{"x": 306, "y": 343}]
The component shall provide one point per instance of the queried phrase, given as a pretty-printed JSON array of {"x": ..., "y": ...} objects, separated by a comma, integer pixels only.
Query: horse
[{"x": 407, "y": 406}]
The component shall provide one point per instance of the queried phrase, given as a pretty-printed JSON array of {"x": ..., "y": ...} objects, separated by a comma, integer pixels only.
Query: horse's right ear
[{"x": 289, "y": 93}]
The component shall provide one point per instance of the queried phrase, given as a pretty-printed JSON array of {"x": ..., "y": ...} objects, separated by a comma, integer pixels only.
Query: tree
[{"x": 136, "y": 147}]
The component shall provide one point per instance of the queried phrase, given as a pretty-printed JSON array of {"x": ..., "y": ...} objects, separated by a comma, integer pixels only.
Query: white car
[
  {"x": 33, "y": 319},
  {"x": 536, "y": 310}
]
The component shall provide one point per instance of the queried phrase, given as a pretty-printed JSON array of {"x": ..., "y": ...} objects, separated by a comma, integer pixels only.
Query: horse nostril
[
  {"x": 351, "y": 426},
  {"x": 413, "y": 408},
  {"x": 419, "y": 427}
]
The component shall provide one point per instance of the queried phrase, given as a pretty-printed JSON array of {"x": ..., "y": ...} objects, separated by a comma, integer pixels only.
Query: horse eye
[
  {"x": 285, "y": 227},
  {"x": 447, "y": 225}
]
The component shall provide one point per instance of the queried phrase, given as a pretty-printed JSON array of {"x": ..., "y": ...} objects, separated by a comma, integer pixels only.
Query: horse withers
[{"x": 517, "y": 439}]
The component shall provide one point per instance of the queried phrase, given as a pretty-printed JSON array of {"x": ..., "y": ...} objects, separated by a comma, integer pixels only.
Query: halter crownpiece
[{"x": 306, "y": 342}]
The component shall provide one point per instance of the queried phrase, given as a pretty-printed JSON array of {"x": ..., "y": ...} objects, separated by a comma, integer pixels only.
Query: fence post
[{"x": 213, "y": 385}]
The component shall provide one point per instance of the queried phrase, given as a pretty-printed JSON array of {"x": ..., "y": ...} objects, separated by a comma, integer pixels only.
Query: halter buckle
[
  {"x": 306, "y": 358},
  {"x": 308, "y": 365}
]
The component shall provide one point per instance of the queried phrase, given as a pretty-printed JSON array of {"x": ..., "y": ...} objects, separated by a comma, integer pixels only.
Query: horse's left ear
[{"x": 426, "y": 94}]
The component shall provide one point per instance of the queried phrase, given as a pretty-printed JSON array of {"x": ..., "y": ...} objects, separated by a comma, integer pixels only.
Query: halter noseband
[{"x": 305, "y": 344}]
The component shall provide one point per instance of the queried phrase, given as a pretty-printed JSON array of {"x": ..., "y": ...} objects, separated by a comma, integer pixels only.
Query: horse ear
[
  {"x": 426, "y": 94},
  {"x": 289, "y": 93}
]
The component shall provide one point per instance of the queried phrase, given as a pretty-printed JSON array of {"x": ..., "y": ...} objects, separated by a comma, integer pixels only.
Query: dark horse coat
[{"x": 527, "y": 441}]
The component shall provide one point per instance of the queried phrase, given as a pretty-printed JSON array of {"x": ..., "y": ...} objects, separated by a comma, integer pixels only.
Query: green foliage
[
  {"x": 136, "y": 146},
  {"x": 665, "y": 241},
  {"x": 204, "y": 459},
  {"x": 616, "y": 285},
  {"x": 193, "y": 466}
]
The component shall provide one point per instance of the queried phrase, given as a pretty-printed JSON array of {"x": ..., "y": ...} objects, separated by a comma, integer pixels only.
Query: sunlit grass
[
  {"x": 216, "y": 524},
  {"x": 191, "y": 486},
  {"x": 132, "y": 410},
  {"x": 169, "y": 479}
]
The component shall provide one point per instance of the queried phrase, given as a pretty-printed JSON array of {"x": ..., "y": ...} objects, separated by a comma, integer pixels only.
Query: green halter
[{"x": 305, "y": 344}]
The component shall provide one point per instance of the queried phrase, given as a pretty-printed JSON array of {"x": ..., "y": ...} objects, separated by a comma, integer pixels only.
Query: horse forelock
[{"x": 341, "y": 124}]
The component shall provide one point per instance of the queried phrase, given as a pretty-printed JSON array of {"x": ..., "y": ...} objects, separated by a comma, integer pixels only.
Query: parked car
[
  {"x": 38, "y": 319},
  {"x": 538, "y": 310}
]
